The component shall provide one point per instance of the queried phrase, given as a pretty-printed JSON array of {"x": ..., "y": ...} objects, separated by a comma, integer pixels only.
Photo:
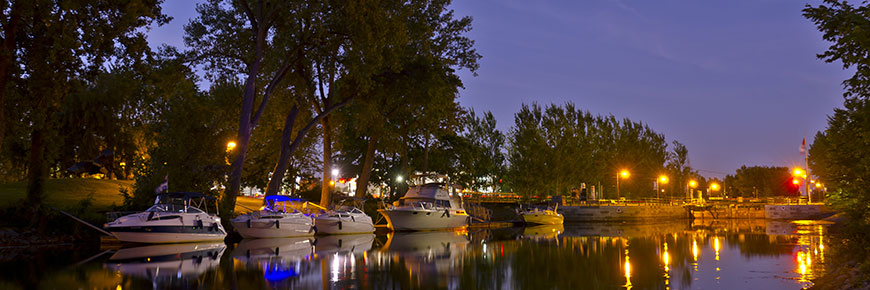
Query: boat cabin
[
  {"x": 429, "y": 191},
  {"x": 182, "y": 202}
]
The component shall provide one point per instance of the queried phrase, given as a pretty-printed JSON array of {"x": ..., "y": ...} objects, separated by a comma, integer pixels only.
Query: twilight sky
[{"x": 736, "y": 81}]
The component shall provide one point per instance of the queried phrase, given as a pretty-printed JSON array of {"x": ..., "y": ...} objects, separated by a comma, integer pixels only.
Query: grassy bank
[{"x": 66, "y": 193}]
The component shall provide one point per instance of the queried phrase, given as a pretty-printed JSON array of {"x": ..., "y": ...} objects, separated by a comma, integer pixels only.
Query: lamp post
[
  {"x": 800, "y": 173},
  {"x": 692, "y": 184},
  {"x": 622, "y": 174},
  {"x": 230, "y": 146},
  {"x": 714, "y": 187},
  {"x": 662, "y": 180}
]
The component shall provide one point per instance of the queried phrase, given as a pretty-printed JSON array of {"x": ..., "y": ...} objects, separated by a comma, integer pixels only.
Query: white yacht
[
  {"x": 542, "y": 216},
  {"x": 175, "y": 217},
  {"x": 344, "y": 220},
  {"x": 428, "y": 205},
  {"x": 279, "y": 217}
]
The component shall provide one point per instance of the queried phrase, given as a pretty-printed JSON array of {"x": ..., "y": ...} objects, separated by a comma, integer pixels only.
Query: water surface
[{"x": 735, "y": 254}]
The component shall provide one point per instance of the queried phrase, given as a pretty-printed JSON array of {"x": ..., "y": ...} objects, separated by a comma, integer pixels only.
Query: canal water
[{"x": 731, "y": 254}]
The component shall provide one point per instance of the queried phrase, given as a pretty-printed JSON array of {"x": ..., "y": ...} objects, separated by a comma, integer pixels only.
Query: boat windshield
[
  {"x": 425, "y": 203},
  {"x": 349, "y": 209},
  {"x": 174, "y": 208}
]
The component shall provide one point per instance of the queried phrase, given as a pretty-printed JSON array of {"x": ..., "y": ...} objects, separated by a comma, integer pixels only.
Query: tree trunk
[
  {"x": 38, "y": 170},
  {"x": 363, "y": 181},
  {"x": 228, "y": 202},
  {"x": 326, "y": 189},
  {"x": 286, "y": 152},
  {"x": 288, "y": 148},
  {"x": 10, "y": 30}
]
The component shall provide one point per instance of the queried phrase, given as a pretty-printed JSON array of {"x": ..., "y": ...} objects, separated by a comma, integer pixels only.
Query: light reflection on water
[{"x": 730, "y": 254}]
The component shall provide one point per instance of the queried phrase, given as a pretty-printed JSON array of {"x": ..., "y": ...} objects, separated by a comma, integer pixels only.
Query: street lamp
[
  {"x": 662, "y": 180},
  {"x": 692, "y": 184},
  {"x": 622, "y": 174},
  {"x": 334, "y": 176},
  {"x": 230, "y": 146},
  {"x": 714, "y": 187},
  {"x": 399, "y": 178},
  {"x": 798, "y": 172}
]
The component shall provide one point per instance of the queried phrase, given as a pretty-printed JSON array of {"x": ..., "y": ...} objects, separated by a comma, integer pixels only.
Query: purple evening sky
[{"x": 737, "y": 82}]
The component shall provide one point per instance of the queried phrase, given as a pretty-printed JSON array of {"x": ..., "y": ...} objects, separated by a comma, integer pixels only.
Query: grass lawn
[{"x": 66, "y": 193}]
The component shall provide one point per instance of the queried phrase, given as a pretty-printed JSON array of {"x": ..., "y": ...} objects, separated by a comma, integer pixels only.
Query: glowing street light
[
  {"x": 231, "y": 145},
  {"x": 692, "y": 184},
  {"x": 663, "y": 179},
  {"x": 399, "y": 178},
  {"x": 713, "y": 187},
  {"x": 798, "y": 172},
  {"x": 622, "y": 174}
]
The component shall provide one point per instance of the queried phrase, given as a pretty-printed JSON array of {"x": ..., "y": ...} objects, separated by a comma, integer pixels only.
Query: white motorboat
[
  {"x": 345, "y": 220},
  {"x": 542, "y": 216},
  {"x": 175, "y": 217},
  {"x": 280, "y": 217},
  {"x": 428, "y": 205}
]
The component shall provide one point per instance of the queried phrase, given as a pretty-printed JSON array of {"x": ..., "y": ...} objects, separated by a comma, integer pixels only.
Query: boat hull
[
  {"x": 167, "y": 228},
  {"x": 543, "y": 219},
  {"x": 273, "y": 228},
  {"x": 421, "y": 219},
  {"x": 158, "y": 235},
  {"x": 334, "y": 225}
]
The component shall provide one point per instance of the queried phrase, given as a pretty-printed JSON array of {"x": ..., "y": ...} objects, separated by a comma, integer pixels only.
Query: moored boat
[
  {"x": 542, "y": 216},
  {"x": 175, "y": 217},
  {"x": 279, "y": 217},
  {"x": 344, "y": 220},
  {"x": 428, "y": 205}
]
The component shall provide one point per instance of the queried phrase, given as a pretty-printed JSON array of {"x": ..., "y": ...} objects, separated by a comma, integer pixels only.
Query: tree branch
[
  {"x": 271, "y": 87},
  {"x": 249, "y": 13}
]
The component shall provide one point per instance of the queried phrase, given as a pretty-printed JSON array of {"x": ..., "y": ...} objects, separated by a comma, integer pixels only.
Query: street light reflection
[
  {"x": 716, "y": 247},
  {"x": 627, "y": 273}
]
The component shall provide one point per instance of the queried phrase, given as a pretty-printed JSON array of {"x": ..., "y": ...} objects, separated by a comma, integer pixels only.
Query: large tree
[
  {"x": 763, "y": 181},
  {"x": 846, "y": 26},
  {"x": 839, "y": 156},
  {"x": 416, "y": 95},
  {"x": 60, "y": 46},
  {"x": 554, "y": 150}
]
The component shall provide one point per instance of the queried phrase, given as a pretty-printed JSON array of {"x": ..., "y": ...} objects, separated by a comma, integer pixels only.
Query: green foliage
[
  {"x": 841, "y": 159},
  {"x": 484, "y": 163},
  {"x": 189, "y": 137},
  {"x": 846, "y": 26},
  {"x": 60, "y": 47},
  {"x": 554, "y": 150},
  {"x": 839, "y": 156},
  {"x": 765, "y": 180}
]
